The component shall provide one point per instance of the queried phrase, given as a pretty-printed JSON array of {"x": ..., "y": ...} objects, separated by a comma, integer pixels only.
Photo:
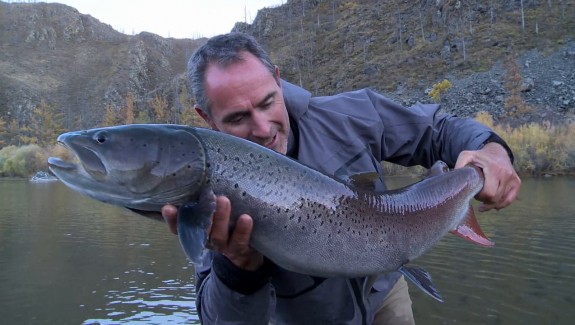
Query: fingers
[
  {"x": 241, "y": 236},
  {"x": 234, "y": 243},
  {"x": 219, "y": 231},
  {"x": 502, "y": 184},
  {"x": 239, "y": 250},
  {"x": 170, "y": 214},
  {"x": 500, "y": 195}
]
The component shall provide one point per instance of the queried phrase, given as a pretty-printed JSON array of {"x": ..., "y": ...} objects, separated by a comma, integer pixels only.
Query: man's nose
[{"x": 261, "y": 126}]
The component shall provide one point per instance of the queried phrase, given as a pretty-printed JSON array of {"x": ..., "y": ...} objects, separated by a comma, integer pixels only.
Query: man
[{"x": 239, "y": 91}]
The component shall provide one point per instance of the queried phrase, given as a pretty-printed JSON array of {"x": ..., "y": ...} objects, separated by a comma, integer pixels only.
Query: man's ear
[{"x": 205, "y": 117}]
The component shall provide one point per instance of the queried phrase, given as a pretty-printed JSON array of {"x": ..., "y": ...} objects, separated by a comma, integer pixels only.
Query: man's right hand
[{"x": 230, "y": 242}]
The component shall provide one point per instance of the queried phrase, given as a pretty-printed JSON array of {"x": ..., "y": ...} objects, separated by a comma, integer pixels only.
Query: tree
[
  {"x": 514, "y": 103},
  {"x": 188, "y": 115},
  {"x": 129, "y": 109},
  {"x": 3, "y": 133},
  {"x": 160, "y": 107},
  {"x": 15, "y": 133},
  {"x": 45, "y": 125},
  {"x": 110, "y": 116},
  {"x": 522, "y": 17}
]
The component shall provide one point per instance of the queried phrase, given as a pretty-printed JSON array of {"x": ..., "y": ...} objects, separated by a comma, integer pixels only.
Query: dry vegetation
[{"x": 539, "y": 148}]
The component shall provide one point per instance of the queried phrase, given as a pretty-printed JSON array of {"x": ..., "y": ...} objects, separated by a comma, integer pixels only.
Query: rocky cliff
[{"x": 51, "y": 52}]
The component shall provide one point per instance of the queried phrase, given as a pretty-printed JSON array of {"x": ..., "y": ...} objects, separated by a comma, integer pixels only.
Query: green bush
[
  {"x": 22, "y": 161},
  {"x": 5, "y": 154}
]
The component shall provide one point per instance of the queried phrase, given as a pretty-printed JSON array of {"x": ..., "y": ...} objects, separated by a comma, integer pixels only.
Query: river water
[{"x": 66, "y": 259}]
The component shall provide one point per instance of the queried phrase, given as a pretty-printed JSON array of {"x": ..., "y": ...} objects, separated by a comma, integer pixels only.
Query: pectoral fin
[{"x": 194, "y": 220}]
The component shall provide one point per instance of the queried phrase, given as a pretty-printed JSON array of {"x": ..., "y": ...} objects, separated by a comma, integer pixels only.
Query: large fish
[{"x": 304, "y": 220}]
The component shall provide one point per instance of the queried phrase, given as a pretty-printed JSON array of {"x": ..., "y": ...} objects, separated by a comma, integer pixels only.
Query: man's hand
[
  {"x": 501, "y": 181},
  {"x": 232, "y": 243}
]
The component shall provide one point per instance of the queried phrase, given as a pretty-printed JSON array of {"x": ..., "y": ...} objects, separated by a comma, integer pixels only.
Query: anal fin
[{"x": 422, "y": 280}]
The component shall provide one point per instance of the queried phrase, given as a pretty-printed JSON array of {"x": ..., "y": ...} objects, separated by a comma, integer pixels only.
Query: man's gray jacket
[{"x": 340, "y": 135}]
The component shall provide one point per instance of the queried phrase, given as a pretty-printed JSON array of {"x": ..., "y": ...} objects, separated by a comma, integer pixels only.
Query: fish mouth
[
  {"x": 55, "y": 162},
  {"x": 89, "y": 160}
]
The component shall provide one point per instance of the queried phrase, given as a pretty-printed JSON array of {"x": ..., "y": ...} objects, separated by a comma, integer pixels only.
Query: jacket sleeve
[
  {"x": 229, "y": 295},
  {"x": 421, "y": 134}
]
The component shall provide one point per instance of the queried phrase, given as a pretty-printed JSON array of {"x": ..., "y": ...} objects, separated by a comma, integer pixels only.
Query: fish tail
[
  {"x": 194, "y": 220},
  {"x": 469, "y": 229}
]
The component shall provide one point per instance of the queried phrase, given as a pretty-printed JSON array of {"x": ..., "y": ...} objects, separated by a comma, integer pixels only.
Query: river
[{"x": 67, "y": 259}]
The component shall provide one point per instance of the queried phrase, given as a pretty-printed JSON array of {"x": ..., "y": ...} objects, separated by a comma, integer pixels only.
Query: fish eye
[{"x": 101, "y": 137}]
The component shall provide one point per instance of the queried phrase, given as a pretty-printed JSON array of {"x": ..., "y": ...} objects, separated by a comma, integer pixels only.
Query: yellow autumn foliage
[{"x": 538, "y": 147}]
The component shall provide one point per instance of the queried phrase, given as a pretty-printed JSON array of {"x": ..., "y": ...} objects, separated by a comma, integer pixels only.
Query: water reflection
[
  {"x": 141, "y": 304},
  {"x": 66, "y": 259}
]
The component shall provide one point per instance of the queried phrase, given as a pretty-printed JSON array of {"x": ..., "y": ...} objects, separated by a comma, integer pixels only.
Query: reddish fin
[{"x": 469, "y": 229}]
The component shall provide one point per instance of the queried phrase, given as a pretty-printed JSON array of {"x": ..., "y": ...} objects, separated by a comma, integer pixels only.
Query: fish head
[{"x": 140, "y": 166}]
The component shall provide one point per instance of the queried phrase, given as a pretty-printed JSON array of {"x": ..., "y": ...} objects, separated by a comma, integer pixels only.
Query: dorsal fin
[
  {"x": 366, "y": 181},
  {"x": 437, "y": 169}
]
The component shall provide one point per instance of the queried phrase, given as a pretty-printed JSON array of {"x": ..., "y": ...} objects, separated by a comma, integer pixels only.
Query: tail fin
[{"x": 470, "y": 230}]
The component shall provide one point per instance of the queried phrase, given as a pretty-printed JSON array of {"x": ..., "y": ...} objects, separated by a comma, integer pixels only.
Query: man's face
[{"x": 247, "y": 101}]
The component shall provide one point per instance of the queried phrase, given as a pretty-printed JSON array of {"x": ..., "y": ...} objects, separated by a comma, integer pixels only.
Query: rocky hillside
[
  {"x": 403, "y": 48},
  {"x": 53, "y": 53}
]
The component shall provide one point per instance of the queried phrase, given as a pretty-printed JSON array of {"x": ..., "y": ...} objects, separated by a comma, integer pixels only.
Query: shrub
[
  {"x": 538, "y": 147},
  {"x": 23, "y": 161},
  {"x": 438, "y": 89}
]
